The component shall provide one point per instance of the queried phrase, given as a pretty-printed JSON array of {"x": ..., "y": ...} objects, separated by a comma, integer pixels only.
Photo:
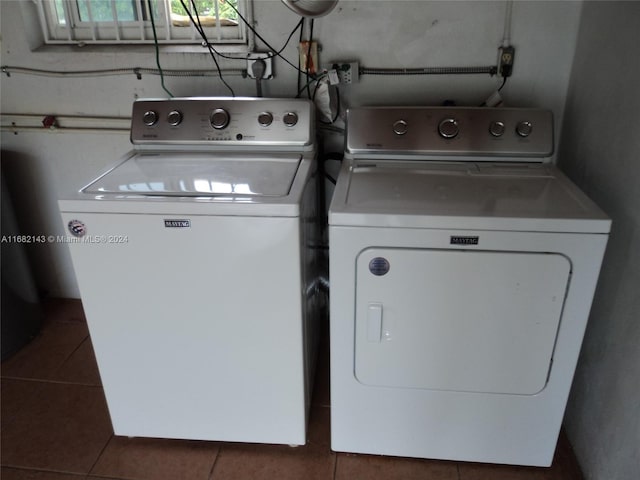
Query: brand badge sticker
[
  {"x": 77, "y": 228},
  {"x": 177, "y": 223},
  {"x": 464, "y": 240}
]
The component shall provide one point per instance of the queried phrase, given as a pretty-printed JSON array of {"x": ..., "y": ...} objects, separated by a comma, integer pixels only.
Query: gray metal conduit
[
  {"x": 491, "y": 70},
  {"x": 137, "y": 71},
  {"x": 24, "y": 122}
]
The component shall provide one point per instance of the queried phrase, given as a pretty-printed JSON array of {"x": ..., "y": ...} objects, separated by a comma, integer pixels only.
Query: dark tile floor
[{"x": 55, "y": 426}]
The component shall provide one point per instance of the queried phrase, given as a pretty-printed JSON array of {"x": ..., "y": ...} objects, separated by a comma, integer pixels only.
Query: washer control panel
[
  {"x": 462, "y": 131},
  {"x": 223, "y": 121}
]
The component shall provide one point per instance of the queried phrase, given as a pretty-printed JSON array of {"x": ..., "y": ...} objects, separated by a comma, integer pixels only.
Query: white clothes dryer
[
  {"x": 462, "y": 266},
  {"x": 196, "y": 265}
]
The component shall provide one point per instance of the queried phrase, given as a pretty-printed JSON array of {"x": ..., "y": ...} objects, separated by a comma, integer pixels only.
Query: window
[{"x": 130, "y": 21}]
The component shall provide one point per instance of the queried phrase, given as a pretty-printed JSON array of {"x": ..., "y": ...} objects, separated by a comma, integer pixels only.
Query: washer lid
[
  {"x": 463, "y": 195},
  {"x": 199, "y": 175}
]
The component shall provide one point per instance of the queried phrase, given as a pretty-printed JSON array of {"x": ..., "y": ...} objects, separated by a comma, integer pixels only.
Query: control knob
[
  {"x": 496, "y": 129},
  {"x": 174, "y": 118},
  {"x": 400, "y": 127},
  {"x": 219, "y": 118},
  {"x": 150, "y": 118},
  {"x": 448, "y": 128},
  {"x": 290, "y": 119},
  {"x": 524, "y": 129},
  {"x": 265, "y": 119}
]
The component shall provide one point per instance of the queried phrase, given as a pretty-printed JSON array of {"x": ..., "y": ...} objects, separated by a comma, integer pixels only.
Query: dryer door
[{"x": 460, "y": 320}]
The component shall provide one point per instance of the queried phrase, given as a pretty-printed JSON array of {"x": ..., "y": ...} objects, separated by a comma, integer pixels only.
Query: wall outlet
[
  {"x": 347, "y": 71},
  {"x": 505, "y": 61},
  {"x": 267, "y": 57}
]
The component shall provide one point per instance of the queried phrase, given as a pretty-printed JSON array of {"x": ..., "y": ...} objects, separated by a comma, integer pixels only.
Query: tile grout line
[
  {"x": 71, "y": 354},
  {"x": 44, "y": 470},
  {"x": 45, "y": 380},
  {"x": 215, "y": 462},
  {"x": 99, "y": 455},
  {"x": 66, "y": 359}
]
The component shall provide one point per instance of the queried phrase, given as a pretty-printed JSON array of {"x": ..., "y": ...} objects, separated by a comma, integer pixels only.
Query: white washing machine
[
  {"x": 195, "y": 261},
  {"x": 463, "y": 266}
]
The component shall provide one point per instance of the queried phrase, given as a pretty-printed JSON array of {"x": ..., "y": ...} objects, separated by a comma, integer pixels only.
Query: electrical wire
[
  {"x": 323, "y": 158},
  {"x": 200, "y": 30},
  {"x": 299, "y": 65},
  {"x": 212, "y": 50},
  {"x": 277, "y": 53},
  {"x": 315, "y": 90},
  {"x": 298, "y": 25},
  {"x": 269, "y": 54},
  {"x": 331, "y": 128},
  {"x": 504, "y": 81},
  {"x": 306, "y": 85},
  {"x": 155, "y": 42},
  {"x": 305, "y": 68},
  {"x": 330, "y": 178},
  {"x": 309, "y": 58}
]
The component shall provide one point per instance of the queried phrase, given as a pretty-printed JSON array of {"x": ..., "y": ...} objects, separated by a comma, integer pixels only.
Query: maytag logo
[
  {"x": 464, "y": 240},
  {"x": 177, "y": 223}
]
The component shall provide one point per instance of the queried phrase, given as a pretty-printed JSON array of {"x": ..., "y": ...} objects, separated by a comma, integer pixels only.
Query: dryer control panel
[
  {"x": 223, "y": 121},
  {"x": 450, "y": 131}
]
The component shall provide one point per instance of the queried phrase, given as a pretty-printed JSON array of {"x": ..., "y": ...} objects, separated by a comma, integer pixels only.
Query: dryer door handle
[{"x": 374, "y": 322}]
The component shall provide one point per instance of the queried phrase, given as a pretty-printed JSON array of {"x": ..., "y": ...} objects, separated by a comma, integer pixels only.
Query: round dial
[
  {"x": 150, "y": 118},
  {"x": 524, "y": 129},
  {"x": 448, "y": 128},
  {"x": 496, "y": 129},
  {"x": 265, "y": 119},
  {"x": 219, "y": 118},
  {"x": 174, "y": 118},
  {"x": 290, "y": 119},
  {"x": 400, "y": 127}
]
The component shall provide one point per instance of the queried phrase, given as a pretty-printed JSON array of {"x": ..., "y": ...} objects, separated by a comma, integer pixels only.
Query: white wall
[
  {"x": 376, "y": 33},
  {"x": 600, "y": 150}
]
